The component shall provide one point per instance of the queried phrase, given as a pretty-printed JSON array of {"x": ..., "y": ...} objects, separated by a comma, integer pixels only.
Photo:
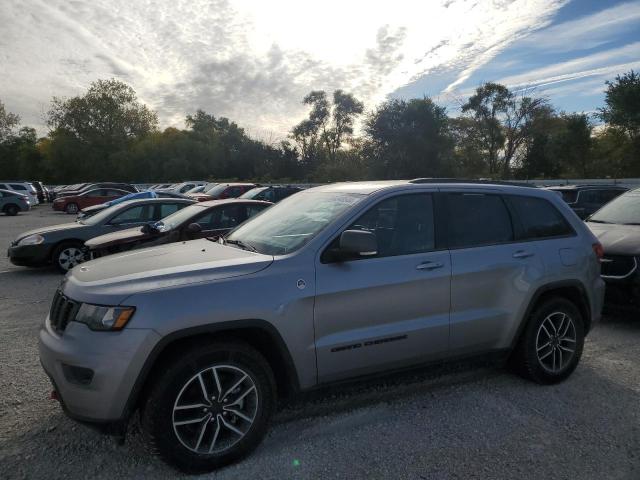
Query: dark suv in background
[{"x": 587, "y": 199}]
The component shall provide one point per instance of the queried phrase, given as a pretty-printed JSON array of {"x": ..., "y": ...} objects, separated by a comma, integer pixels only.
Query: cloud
[
  {"x": 587, "y": 32},
  {"x": 249, "y": 60}
]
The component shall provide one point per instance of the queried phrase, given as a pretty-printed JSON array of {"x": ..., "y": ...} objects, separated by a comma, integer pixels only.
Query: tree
[
  {"x": 410, "y": 139},
  {"x": 8, "y": 121},
  {"x": 102, "y": 122},
  {"x": 622, "y": 104},
  {"x": 503, "y": 121}
]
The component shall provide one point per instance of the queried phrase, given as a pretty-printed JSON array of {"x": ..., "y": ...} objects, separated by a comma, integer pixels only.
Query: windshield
[
  {"x": 178, "y": 218},
  {"x": 623, "y": 210},
  {"x": 287, "y": 226},
  {"x": 218, "y": 189},
  {"x": 196, "y": 189},
  {"x": 254, "y": 192}
]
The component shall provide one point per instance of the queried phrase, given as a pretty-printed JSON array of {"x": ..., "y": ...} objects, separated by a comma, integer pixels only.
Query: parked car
[
  {"x": 128, "y": 188},
  {"x": 72, "y": 204},
  {"x": 61, "y": 245},
  {"x": 13, "y": 202},
  {"x": 184, "y": 187},
  {"x": 41, "y": 192},
  {"x": 617, "y": 226},
  {"x": 587, "y": 199},
  {"x": 92, "y": 210},
  {"x": 161, "y": 186},
  {"x": 331, "y": 284},
  {"x": 204, "y": 219},
  {"x": 273, "y": 193},
  {"x": 23, "y": 188},
  {"x": 224, "y": 190}
]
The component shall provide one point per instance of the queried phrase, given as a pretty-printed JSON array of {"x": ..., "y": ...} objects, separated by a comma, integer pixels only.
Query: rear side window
[
  {"x": 538, "y": 218},
  {"x": 17, "y": 187},
  {"x": 477, "y": 219}
]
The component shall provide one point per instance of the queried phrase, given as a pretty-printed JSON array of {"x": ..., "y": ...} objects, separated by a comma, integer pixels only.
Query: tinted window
[
  {"x": 133, "y": 215},
  {"x": 598, "y": 197},
  {"x": 222, "y": 217},
  {"x": 477, "y": 219},
  {"x": 403, "y": 225},
  {"x": 254, "y": 210},
  {"x": 537, "y": 218},
  {"x": 95, "y": 193},
  {"x": 17, "y": 187},
  {"x": 167, "y": 209}
]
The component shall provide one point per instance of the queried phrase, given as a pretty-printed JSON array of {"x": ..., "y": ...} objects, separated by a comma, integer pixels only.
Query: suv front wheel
[
  {"x": 551, "y": 345},
  {"x": 211, "y": 407}
]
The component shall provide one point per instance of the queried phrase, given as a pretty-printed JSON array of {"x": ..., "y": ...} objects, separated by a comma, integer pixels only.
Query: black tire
[
  {"x": 538, "y": 356},
  {"x": 62, "y": 249},
  {"x": 158, "y": 415},
  {"x": 71, "y": 208},
  {"x": 11, "y": 210}
]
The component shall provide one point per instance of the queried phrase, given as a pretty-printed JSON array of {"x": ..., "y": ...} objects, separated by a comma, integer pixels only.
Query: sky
[{"x": 254, "y": 60}]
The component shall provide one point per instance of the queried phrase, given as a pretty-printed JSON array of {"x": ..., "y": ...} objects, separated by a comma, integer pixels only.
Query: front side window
[
  {"x": 94, "y": 193},
  {"x": 538, "y": 218},
  {"x": 403, "y": 225},
  {"x": 476, "y": 219},
  {"x": 221, "y": 217},
  {"x": 166, "y": 209},
  {"x": 292, "y": 223}
]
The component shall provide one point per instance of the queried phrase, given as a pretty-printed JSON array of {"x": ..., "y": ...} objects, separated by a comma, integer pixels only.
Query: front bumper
[
  {"x": 114, "y": 358},
  {"x": 30, "y": 255}
]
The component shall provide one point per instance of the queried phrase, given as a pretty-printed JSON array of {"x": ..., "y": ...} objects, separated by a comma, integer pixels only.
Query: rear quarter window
[{"x": 537, "y": 218}]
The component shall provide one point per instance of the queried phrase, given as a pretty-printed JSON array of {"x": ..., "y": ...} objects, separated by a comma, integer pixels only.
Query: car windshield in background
[
  {"x": 172, "y": 221},
  {"x": 290, "y": 224},
  {"x": 251, "y": 194},
  {"x": 101, "y": 216},
  {"x": 216, "y": 190},
  {"x": 569, "y": 196},
  {"x": 624, "y": 210}
]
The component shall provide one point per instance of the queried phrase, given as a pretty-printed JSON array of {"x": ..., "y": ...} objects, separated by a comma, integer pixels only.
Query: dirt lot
[{"x": 468, "y": 421}]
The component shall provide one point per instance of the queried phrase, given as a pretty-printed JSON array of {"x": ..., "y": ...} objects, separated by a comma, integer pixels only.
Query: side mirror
[
  {"x": 194, "y": 228},
  {"x": 359, "y": 243}
]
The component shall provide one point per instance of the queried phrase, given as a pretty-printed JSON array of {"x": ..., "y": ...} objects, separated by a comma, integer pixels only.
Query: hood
[
  {"x": 51, "y": 229},
  {"x": 617, "y": 239},
  {"x": 123, "y": 236},
  {"x": 113, "y": 278}
]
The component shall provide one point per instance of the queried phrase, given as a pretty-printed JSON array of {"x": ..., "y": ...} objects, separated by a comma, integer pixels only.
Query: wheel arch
[
  {"x": 259, "y": 334},
  {"x": 8, "y": 205},
  {"x": 572, "y": 290}
]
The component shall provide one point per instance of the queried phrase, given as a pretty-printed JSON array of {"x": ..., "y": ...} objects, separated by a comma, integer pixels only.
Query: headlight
[
  {"x": 97, "y": 317},
  {"x": 31, "y": 240}
]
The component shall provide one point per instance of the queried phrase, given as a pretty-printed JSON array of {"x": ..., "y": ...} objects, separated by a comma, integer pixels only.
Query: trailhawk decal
[{"x": 368, "y": 343}]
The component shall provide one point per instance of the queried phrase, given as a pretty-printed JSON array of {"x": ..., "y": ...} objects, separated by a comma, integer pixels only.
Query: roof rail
[
  {"x": 579, "y": 185},
  {"x": 464, "y": 180}
]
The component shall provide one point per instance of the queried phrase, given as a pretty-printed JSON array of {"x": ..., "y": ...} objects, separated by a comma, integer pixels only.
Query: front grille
[
  {"x": 618, "y": 266},
  {"x": 63, "y": 310}
]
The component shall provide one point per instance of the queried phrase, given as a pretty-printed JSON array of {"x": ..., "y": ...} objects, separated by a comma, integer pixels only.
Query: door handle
[
  {"x": 429, "y": 266},
  {"x": 523, "y": 254}
]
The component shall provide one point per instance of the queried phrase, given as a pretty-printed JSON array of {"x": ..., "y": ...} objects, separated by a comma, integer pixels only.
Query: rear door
[
  {"x": 492, "y": 271},
  {"x": 390, "y": 310}
]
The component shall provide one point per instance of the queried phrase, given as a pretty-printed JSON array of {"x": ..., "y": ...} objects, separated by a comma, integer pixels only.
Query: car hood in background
[
  {"x": 617, "y": 239},
  {"x": 113, "y": 278},
  {"x": 123, "y": 236},
  {"x": 51, "y": 229}
]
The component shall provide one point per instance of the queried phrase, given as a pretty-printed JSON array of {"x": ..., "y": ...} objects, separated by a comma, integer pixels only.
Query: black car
[
  {"x": 272, "y": 193},
  {"x": 62, "y": 244},
  {"x": 42, "y": 192},
  {"x": 204, "y": 219},
  {"x": 587, "y": 199},
  {"x": 85, "y": 187},
  {"x": 617, "y": 226}
]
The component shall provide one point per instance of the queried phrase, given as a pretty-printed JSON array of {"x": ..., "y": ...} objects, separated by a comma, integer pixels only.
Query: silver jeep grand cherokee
[{"x": 332, "y": 283}]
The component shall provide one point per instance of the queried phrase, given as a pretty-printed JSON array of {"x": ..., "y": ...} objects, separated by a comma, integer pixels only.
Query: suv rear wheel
[
  {"x": 551, "y": 345},
  {"x": 211, "y": 407},
  {"x": 11, "y": 210}
]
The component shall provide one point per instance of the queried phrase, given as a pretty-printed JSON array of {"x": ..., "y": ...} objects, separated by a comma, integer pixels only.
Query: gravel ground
[{"x": 467, "y": 421}]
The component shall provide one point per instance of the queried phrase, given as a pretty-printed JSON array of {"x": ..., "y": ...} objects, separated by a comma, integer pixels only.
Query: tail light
[{"x": 598, "y": 250}]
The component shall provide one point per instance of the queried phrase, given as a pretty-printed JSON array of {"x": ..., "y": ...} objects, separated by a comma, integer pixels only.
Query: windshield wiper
[
  {"x": 241, "y": 244},
  {"x": 632, "y": 223}
]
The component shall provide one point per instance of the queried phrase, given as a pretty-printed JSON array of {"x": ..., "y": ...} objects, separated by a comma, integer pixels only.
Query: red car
[
  {"x": 75, "y": 203},
  {"x": 224, "y": 190}
]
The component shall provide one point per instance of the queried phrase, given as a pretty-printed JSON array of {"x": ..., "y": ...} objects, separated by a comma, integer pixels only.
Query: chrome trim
[{"x": 620, "y": 277}]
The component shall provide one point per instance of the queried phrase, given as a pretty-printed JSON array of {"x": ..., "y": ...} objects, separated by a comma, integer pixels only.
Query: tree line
[{"x": 108, "y": 134}]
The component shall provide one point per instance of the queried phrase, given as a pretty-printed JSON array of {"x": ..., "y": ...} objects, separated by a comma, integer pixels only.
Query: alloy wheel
[
  {"x": 70, "y": 257},
  {"x": 556, "y": 342},
  {"x": 215, "y": 409}
]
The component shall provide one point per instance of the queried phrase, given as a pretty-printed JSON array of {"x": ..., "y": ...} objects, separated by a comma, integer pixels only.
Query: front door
[{"x": 389, "y": 310}]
